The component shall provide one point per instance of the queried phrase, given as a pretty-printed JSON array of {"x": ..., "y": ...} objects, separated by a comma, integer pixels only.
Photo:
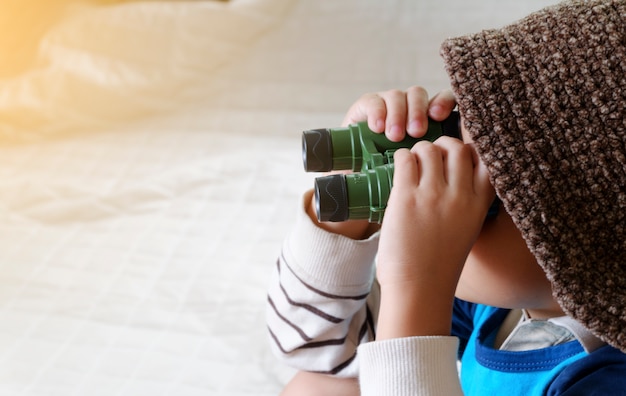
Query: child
[{"x": 533, "y": 302}]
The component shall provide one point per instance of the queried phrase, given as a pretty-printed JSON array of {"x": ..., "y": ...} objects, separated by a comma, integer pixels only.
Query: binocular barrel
[
  {"x": 352, "y": 147},
  {"x": 361, "y": 195},
  {"x": 354, "y": 196}
]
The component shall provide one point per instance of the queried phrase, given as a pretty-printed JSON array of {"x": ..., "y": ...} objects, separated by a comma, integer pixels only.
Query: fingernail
[
  {"x": 395, "y": 131},
  {"x": 436, "y": 110},
  {"x": 380, "y": 125},
  {"x": 413, "y": 127}
]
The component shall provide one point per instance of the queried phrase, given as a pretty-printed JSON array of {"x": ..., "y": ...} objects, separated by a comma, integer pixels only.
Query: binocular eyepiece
[{"x": 361, "y": 195}]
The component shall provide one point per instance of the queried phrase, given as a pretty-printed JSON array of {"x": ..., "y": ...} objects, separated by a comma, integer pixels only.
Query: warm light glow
[
  {"x": 22, "y": 25},
  {"x": 79, "y": 65}
]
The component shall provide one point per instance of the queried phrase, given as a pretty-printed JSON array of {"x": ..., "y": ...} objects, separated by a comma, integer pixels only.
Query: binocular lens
[
  {"x": 331, "y": 197},
  {"x": 317, "y": 150}
]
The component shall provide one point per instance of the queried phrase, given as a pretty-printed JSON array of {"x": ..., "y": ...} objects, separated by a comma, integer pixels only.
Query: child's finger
[
  {"x": 405, "y": 173},
  {"x": 417, "y": 104},
  {"x": 430, "y": 163},
  {"x": 441, "y": 105},
  {"x": 458, "y": 163},
  {"x": 370, "y": 107},
  {"x": 464, "y": 171},
  {"x": 395, "y": 123}
]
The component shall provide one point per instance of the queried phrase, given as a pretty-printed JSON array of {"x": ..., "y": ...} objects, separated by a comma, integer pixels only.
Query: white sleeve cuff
[
  {"x": 409, "y": 366},
  {"x": 327, "y": 260}
]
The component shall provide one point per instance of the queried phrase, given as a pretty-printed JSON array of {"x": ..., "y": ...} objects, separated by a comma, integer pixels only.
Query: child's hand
[
  {"x": 440, "y": 197},
  {"x": 396, "y": 112}
]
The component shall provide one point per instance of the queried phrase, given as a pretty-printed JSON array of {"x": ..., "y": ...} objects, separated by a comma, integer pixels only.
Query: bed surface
[{"x": 150, "y": 167}]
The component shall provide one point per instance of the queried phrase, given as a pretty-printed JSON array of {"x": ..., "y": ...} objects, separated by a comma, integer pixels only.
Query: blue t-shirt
[{"x": 564, "y": 369}]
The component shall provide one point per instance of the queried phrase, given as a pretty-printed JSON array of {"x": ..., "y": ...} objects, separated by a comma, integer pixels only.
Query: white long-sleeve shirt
[{"x": 322, "y": 309}]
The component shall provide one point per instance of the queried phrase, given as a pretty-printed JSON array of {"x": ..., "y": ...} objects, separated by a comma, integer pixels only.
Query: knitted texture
[{"x": 544, "y": 100}]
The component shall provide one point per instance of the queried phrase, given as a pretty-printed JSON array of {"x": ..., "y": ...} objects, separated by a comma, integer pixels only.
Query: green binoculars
[{"x": 364, "y": 194}]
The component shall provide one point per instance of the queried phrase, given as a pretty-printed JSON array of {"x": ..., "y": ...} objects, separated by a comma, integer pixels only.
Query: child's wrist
[
  {"x": 406, "y": 311},
  {"x": 353, "y": 229}
]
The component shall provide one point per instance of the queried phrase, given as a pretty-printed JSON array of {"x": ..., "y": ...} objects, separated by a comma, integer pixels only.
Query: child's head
[{"x": 543, "y": 100}]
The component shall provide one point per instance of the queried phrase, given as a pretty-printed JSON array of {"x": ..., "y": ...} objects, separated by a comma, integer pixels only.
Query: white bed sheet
[{"x": 149, "y": 169}]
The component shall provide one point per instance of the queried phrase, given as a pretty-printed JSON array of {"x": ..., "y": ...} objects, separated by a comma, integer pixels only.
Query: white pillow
[{"x": 102, "y": 62}]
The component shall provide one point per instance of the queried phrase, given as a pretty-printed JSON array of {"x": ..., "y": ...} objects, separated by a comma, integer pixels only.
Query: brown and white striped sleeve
[{"x": 323, "y": 300}]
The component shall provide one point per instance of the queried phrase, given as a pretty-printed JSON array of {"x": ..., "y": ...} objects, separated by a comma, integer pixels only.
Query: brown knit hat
[{"x": 544, "y": 99}]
